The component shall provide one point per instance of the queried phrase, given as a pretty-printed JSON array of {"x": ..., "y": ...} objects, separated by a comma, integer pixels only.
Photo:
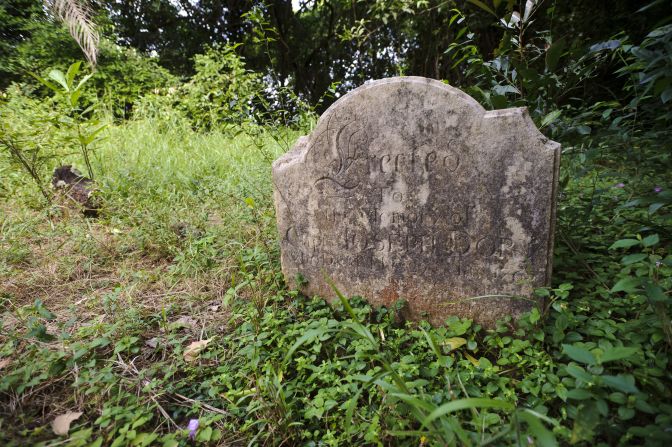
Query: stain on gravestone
[{"x": 409, "y": 189}]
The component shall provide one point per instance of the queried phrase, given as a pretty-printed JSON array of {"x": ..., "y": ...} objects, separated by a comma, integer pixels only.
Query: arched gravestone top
[{"x": 409, "y": 189}]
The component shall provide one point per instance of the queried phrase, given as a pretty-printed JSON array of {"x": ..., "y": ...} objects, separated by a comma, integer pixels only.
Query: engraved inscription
[{"x": 408, "y": 189}]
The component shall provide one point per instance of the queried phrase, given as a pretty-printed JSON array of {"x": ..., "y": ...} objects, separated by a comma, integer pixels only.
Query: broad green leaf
[
  {"x": 305, "y": 338},
  {"x": 548, "y": 119},
  {"x": 621, "y": 382},
  {"x": 543, "y": 435},
  {"x": 74, "y": 98},
  {"x": 579, "y": 394},
  {"x": 204, "y": 435},
  {"x": 655, "y": 207},
  {"x": 628, "y": 285},
  {"x": 650, "y": 240},
  {"x": 471, "y": 359},
  {"x": 617, "y": 353},
  {"x": 89, "y": 138},
  {"x": 83, "y": 81},
  {"x": 43, "y": 311},
  {"x": 631, "y": 259},
  {"x": 455, "y": 342},
  {"x": 145, "y": 439},
  {"x": 579, "y": 373},
  {"x": 583, "y": 130},
  {"x": 58, "y": 76},
  {"x": 502, "y": 90},
  {"x": 655, "y": 293},
  {"x": 463, "y": 404},
  {"x": 554, "y": 53},
  {"x": 483, "y": 6},
  {"x": 581, "y": 355},
  {"x": 46, "y": 83},
  {"x": 666, "y": 95},
  {"x": 72, "y": 72},
  {"x": 624, "y": 243}
]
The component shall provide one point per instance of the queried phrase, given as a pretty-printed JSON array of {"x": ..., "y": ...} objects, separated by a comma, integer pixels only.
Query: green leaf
[
  {"x": 72, "y": 72},
  {"x": 350, "y": 409},
  {"x": 502, "y": 90},
  {"x": 83, "y": 81},
  {"x": 579, "y": 373},
  {"x": 579, "y": 354},
  {"x": 624, "y": 243},
  {"x": 579, "y": 394},
  {"x": 628, "y": 285},
  {"x": 463, "y": 404},
  {"x": 455, "y": 342},
  {"x": 432, "y": 343},
  {"x": 204, "y": 435},
  {"x": 43, "y": 311},
  {"x": 655, "y": 293},
  {"x": 554, "y": 53},
  {"x": 483, "y": 6},
  {"x": 89, "y": 138},
  {"x": 621, "y": 382},
  {"x": 308, "y": 336},
  {"x": 583, "y": 130},
  {"x": 666, "y": 95},
  {"x": 144, "y": 439},
  {"x": 548, "y": 119},
  {"x": 46, "y": 83},
  {"x": 655, "y": 207},
  {"x": 631, "y": 259},
  {"x": 74, "y": 98},
  {"x": 415, "y": 402},
  {"x": 39, "y": 331},
  {"x": 58, "y": 76},
  {"x": 617, "y": 353},
  {"x": 543, "y": 435},
  {"x": 626, "y": 413},
  {"x": 650, "y": 240}
]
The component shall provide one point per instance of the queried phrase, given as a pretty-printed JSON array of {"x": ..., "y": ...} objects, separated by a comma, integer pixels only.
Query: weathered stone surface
[{"x": 409, "y": 189}]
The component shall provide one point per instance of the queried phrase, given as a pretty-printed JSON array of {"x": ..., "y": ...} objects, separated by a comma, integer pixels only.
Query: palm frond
[{"x": 76, "y": 15}]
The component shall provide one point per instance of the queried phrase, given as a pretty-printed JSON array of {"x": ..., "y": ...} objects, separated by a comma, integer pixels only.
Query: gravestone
[{"x": 408, "y": 189}]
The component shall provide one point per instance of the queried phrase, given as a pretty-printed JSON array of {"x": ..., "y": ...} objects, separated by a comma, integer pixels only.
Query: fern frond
[{"x": 76, "y": 15}]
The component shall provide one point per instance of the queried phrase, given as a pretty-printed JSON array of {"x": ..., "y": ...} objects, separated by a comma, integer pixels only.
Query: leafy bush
[
  {"x": 221, "y": 92},
  {"x": 121, "y": 77},
  {"x": 29, "y": 137}
]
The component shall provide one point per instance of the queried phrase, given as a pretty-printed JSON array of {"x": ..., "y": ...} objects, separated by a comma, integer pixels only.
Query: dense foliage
[{"x": 169, "y": 307}]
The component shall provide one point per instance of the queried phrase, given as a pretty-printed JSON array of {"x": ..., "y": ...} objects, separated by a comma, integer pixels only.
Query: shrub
[{"x": 221, "y": 92}]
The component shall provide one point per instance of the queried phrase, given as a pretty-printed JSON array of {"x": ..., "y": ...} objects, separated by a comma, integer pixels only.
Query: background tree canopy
[{"x": 309, "y": 45}]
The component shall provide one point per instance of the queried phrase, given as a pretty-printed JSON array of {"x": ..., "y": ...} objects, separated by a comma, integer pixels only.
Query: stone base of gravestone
[{"x": 409, "y": 189}]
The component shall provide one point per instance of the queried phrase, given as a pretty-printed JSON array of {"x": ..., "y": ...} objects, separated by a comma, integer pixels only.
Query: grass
[
  {"x": 97, "y": 315},
  {"x": 174, "y": 202},
  {"x": 179, "y": 210}
]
